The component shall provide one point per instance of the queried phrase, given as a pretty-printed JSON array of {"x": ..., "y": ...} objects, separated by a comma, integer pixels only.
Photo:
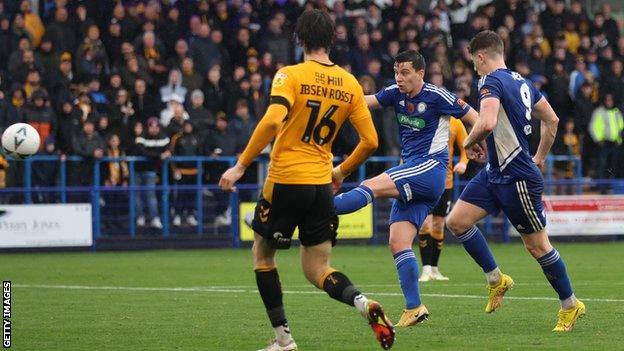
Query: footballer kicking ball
[{"x": 20, "y": 141}]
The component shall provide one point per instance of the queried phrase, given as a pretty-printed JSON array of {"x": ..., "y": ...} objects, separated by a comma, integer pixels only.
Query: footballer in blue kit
[
  {"x": 511, "y": 182},
  {"x": 423, "y": 112}
]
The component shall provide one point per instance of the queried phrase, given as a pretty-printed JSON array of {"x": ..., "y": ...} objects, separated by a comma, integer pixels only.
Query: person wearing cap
[
  {"x": 154, "y": 145},
  {"x": 201, "y": 117}
]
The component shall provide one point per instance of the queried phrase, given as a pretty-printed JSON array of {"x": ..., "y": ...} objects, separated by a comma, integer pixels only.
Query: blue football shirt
[
  {"x": 423, "y": 120},
  {"x": 508, "y": 144}
]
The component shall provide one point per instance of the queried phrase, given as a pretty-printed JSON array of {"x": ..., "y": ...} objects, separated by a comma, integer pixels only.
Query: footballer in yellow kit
[{"x": 308, "y": 105}]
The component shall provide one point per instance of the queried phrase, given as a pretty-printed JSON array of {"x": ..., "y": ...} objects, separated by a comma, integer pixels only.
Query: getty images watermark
[{"x": 6, "y": 314}]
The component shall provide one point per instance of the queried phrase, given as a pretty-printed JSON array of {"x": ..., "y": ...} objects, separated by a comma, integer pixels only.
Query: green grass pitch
[{"x": 206, "y": 300}]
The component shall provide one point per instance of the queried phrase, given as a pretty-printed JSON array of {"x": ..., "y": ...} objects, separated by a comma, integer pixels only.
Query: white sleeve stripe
[
  {"x": 447, "y": 93},
  {"x": 393, "y": 86},
  {"x": 439, "y": 93}
]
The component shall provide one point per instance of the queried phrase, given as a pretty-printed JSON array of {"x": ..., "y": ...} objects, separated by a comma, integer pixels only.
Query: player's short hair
[
  {"x": 413, "y": 56},
  {"x": 487, "y": 40},
  {"x": 315, "y": 30}
]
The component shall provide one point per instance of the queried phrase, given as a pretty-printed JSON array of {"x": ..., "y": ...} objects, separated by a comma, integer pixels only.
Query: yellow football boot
[
  {"x": 496, "y": 293},
  {"x": 567, "y": 318}
]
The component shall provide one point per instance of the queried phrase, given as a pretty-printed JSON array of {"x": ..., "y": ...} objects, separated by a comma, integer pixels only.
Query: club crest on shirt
[
  {"x": 421, "y": 107},
  {"x": 410, "y": 107},
  {"x": 280, "y": 79},
  {"x": 461, "y": 103}
]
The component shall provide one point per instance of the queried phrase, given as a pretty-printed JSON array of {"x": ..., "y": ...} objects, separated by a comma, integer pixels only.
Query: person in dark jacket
[
  {"x": 68, "y": 126},
  {"x": 185, "y": 143},
  {"x": 39, "y": 115},
  {"x": 582, "y": 112},
  {"x": 220, "y": 142},
  {"x": 90, "y": 146},
  {"x": 45, "y": 172},
  {"x": 153, "y": 144}
]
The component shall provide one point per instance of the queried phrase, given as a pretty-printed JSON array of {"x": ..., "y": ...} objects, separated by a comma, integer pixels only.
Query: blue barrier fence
[{"x": 118, "y": 204}]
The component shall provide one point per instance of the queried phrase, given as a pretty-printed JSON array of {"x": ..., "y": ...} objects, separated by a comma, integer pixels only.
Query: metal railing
[{"x": 96, "y": 189}]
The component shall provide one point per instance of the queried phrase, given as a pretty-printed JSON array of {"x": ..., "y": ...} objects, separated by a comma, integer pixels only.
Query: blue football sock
[
  {"x": 477, "y": 247},
  {"x": 407, "y": 267},
  {"x": 555, "y": 271},
  {"x": 353, "y": 199}
]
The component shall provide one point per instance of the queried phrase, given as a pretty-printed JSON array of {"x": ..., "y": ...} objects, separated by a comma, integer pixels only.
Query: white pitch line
[{"x": 303, "y": 292}]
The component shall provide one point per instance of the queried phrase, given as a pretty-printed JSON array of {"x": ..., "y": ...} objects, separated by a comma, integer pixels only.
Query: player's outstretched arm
[
  {"x": 372, "y": 102},
  {"x": 548, "y": 131},
  {"x": 263, "y": 134}
]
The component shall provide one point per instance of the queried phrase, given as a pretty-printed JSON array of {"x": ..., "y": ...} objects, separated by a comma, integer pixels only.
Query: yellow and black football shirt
[{"x": 319, "y": 98}]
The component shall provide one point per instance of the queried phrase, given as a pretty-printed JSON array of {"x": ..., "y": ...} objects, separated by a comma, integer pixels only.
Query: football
[{"x": 20, "y": 141}]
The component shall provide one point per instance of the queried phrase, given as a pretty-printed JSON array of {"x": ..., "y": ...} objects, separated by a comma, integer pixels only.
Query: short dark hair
[
  {"x": 487, "y": 40},
  {"x": 413, "y": 56},
  {"x": 315, "y": 30}
]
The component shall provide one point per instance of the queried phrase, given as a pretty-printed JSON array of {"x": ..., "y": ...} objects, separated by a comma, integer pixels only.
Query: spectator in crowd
[
  {"x": 60, "y": 32},
  {"x": 185, "y": 143},
  {"x": 571, "y": 147},
  {"x": 216, "y": 90},
  {"x": 89, "y": 145},
  {"x": 582, "y": 114},
  {"x": 191, "y": 79},
  {"x": 181, "y": 51},
  {"x": 174, "y": 105},
  {"x": 115, "y": 173},
  {"x": 614, "y": 83},
  {"x": 46, "y": 55},
  {"x": 113, "y": 86},
  {"x": 242, "y": 123},
  {"x": 32, "y": 22},
  {"x": 204, "y": 51},
  {"x": 153, "y": 144},
  {"x": 201, "y": 117},
  {"x": 122, "y": 118},
  {"x": 174, "y": 86},
  {"x": 46, "y": 172},
  {"x": 39, "y": 115},
  {"x": 223, "y": 141},
  {"x": 143, "y": 103},
  {"x": 152, "y": 50},
  {"x": 61, "y": 79},
  {"x": 176, "y": 123},
  {"x": 606, "y": 128}
]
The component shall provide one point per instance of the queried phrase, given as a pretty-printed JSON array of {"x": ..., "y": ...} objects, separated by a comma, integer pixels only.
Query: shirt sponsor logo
[
  {"x": 280, "y": 79},
  {"x": 412, "y": 122}
]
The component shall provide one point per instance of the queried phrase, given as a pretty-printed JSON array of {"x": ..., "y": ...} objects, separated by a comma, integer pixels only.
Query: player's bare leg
[
  {"x": 270, "y": 290},
  {"x": 315, "y": 261},
  {"x": 554, "y": 269},
  {"x": 461, "y": 222},
  {"x": 402, "y": 236}
]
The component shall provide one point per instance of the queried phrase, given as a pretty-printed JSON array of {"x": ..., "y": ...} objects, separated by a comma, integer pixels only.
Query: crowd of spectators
[{"x": 192, "y": 77}]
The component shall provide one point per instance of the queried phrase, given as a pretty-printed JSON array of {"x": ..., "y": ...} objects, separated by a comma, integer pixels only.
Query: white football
[{"x": 20, "y": 141}]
